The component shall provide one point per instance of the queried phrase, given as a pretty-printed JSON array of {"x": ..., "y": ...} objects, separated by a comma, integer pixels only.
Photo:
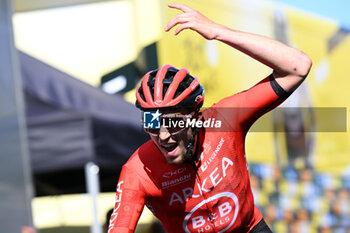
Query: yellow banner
[{"x": 224, "y": 71}]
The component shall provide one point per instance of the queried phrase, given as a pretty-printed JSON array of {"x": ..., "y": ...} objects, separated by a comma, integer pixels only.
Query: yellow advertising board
[{"x": 225, "y": 71}]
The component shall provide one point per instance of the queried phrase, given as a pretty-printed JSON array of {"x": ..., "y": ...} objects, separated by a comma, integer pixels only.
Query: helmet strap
[{"x": 189, "y": 157}]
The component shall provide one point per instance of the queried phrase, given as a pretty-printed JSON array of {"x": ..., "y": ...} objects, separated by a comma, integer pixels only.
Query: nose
[{"x": 164, "y": 134}]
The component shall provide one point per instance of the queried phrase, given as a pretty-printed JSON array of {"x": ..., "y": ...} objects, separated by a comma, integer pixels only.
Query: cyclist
[{"x": 195, "y": 179}]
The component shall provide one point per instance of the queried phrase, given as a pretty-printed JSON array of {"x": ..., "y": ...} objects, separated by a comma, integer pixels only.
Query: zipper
[{"x": 204, "y": 196}]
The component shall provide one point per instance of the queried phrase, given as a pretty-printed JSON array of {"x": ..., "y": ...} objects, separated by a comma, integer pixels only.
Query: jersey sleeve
[
  {"x": 247, "y": 106},
  {"x": 129, "y": 203}
]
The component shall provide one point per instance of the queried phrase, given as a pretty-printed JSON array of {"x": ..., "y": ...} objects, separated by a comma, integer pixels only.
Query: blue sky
[{"x": 338, "y": 10}]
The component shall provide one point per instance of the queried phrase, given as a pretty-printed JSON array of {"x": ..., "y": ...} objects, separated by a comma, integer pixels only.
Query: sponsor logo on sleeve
[{"x": 117, "y": 206}]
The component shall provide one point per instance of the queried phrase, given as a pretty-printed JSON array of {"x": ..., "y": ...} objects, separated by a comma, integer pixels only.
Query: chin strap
[{"x": 189, "y": 157}]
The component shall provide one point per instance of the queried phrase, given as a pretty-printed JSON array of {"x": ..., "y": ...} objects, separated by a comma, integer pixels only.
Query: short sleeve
[{"x": 247, "y": 106}]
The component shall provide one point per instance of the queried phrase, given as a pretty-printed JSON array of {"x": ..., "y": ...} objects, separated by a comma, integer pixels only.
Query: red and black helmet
[{"x": 170, "y": 89}]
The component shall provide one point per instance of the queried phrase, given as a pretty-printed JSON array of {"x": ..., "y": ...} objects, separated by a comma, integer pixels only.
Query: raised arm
[{"x": 290, "y": 66}]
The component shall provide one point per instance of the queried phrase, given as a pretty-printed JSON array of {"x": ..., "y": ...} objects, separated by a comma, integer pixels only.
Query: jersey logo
[
  {"x": 176, "y": 181},
  {"x": 174, "y": 173},
  {"x": 117, "y": 206},
  {"x": 207, "y": 184},
  {"x": 211, "y": 158},
  {"x": 223, "y": 217}
]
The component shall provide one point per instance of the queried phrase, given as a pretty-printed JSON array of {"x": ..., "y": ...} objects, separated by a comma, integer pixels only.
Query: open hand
[{"x": 194, "y": 20}]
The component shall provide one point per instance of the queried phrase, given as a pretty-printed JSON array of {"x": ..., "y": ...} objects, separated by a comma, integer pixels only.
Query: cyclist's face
[
  {"x": 172, "y": 141},
  {"x": 172, "y": 147}
]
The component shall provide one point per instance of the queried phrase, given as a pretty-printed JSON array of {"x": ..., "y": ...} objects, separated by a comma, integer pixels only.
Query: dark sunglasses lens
[
  {"x": 174, "y": 124},
  {"x": 152, "y": 131}
]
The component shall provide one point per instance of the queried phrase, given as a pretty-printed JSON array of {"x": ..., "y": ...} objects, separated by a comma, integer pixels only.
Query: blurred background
[{"x": 68, "y": 71}]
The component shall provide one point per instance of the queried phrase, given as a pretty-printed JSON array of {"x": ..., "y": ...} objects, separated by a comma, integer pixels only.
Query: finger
[
  {"x": 179, "y": 19},
  {"x": 181, "y": 7},
  {"x": 182, "y": 27}
]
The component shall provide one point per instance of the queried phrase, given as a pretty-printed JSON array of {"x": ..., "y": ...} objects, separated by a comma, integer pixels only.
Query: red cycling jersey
[{"x": 216, "y": 197}]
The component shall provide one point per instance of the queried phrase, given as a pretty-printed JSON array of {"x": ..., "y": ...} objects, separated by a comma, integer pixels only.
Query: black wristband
[{"x": 277, "y": 88}]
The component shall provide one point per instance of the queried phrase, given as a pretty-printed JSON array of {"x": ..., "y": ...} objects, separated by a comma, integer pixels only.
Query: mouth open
[{"x": 169, "y": 147}]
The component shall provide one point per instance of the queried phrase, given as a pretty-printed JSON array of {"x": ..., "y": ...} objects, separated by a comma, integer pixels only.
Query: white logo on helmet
[{"x": 198, "y": 97}]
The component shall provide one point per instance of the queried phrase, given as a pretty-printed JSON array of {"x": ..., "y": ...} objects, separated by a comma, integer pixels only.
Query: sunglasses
[{"x": 174, "y": 123}]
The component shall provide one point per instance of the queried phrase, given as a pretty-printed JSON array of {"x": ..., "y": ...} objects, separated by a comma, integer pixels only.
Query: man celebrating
[{"x": 192, "y": 178}]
